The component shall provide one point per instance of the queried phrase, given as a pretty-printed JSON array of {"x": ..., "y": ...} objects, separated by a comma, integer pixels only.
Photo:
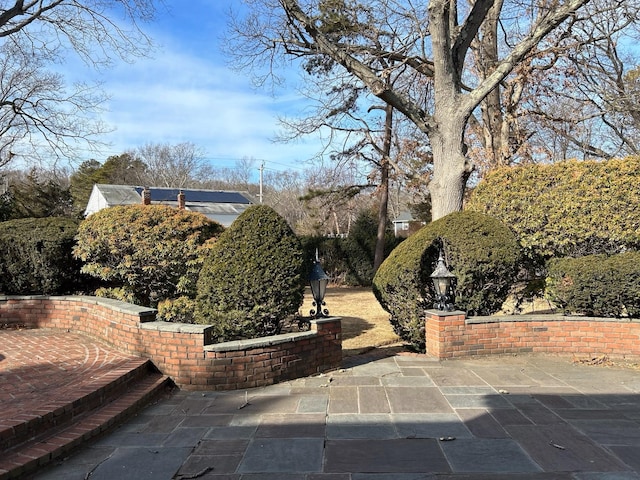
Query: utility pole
[{"x": 261, "y": 174}]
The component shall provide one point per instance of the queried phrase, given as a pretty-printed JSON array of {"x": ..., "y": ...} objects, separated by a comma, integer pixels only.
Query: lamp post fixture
[
  {"x": 318, "y": 281},
  {"x": 442, "y": 283}
]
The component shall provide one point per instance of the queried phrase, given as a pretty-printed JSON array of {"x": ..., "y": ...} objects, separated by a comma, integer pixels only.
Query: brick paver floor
[{"x": 42, "y": 368}]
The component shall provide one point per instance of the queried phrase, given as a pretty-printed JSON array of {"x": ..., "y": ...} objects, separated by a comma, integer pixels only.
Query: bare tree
[
  {"x": 572, "y": 96},
  {"x": 37, "y": 109},
  {"x": 283, "y": 191},
  {"x": 432, "y": 43},
  {"x": 176, "y": 166},
  {"x": 38, "y": 113},
  {"x": 589, "y": 102}
]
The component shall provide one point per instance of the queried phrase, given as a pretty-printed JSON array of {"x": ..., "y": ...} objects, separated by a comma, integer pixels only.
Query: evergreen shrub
[
  {"x": 36, "y": 258},
  {"x": 145, "y": 253},
  {"x": 331, "y": 253},
  {"x": 350, "y": 260},
  {"x": 480, "y": 250},
  {"x": 566, "y": 209},
  {"x": 253, "y": 277},
  {"x": 596, "y": 285},
  {"x": 360, "y": 248}
]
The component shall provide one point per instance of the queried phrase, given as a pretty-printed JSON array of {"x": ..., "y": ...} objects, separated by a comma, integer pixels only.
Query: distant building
[
  {"x": 404, "y": 224},
  {"x": 221, "y": 206}
]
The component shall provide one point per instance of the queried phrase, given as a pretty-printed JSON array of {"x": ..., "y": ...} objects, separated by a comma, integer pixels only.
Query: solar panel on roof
[{"x": 206, "y": 196}]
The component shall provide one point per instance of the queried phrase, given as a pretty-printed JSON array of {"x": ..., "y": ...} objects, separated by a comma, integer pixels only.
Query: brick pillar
[
  {"x": 444, "y": 332},
  {"x": 181, "y": 201}
]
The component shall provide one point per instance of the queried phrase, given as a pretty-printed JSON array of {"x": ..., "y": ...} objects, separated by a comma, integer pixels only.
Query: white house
[{"x": 222, "y": 206}]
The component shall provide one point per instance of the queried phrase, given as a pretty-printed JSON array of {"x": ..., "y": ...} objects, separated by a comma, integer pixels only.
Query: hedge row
[
  {"x": 35, "y": 257},
  {"x": 350, "y": 260},
  {"x": 571, "y": 208},
  {"x": 597, "y": 285}
]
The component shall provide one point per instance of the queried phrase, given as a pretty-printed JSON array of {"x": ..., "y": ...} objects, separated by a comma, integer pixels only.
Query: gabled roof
[
  {"x": 222, "y": 206},
  {"x": 404, "y": 216}
]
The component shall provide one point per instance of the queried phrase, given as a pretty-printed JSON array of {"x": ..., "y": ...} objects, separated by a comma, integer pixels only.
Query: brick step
[
  {"x": 118, "y": 402},
  {"x": 84, "y": 395}
]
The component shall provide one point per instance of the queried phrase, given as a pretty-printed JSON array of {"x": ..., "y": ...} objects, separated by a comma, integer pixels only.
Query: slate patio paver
[{"x": 382, "y": 419}]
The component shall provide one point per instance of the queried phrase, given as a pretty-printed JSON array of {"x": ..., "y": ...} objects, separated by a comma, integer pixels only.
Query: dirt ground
[{"x": 365, "y": 324}]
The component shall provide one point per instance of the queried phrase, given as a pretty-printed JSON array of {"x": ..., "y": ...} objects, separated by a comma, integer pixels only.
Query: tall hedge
[
  {"x": 570, "y": 208},
  {"x": 36, "y": 258},
  {"x": 145, "y": 253},
  {"x": 253, "y": 278},
  {"x": 481, "y": 252},
  {"x": 599, "y": 285}
]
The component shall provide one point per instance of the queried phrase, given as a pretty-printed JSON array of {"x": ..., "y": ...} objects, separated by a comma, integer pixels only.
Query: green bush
[
  {"x": 331, "y": 253},
  {"x": 597, "y": 285},
  {"x": 360, "y": 248},
  {"x": 180, "y": 310},
  {"x": 481, "y": 252},
  {"x": 350, "y": 260},
  {"x": 35, "y": 256},
  {"x": 253, "y": 277},
  {"x": 571, "y": 208},
  {"x": 145, "y": 253}
]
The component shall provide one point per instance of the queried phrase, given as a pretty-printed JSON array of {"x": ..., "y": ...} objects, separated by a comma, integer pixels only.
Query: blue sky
[{"x": 187, "y": 93}]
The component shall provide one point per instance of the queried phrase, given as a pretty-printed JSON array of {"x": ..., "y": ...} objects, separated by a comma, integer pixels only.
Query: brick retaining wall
[
  {"x": 184, "y": 352},
  {"x": 451, "y": 334}
]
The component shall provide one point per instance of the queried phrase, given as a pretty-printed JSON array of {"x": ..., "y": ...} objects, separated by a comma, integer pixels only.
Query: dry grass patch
[{"x": 365, "y": 325}]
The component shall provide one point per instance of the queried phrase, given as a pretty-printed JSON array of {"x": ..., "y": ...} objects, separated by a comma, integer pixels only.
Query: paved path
[{"x": 396, "y": 418}]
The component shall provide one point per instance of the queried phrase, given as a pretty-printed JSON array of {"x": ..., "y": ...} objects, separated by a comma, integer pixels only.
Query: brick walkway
[{"x": 41, "y": 369}]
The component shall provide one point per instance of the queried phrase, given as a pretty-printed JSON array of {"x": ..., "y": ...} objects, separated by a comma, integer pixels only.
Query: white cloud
[
  {"x": 185, "y": 93},
  {"x": 177, "y": 98}
]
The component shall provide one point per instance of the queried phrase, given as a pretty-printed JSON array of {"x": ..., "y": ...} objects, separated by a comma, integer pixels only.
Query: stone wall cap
[
  {"x": 161, "y": 326},
  {"x": 321, "y": 320},
  {"x": 116, "y": 305},
  {"x": 250, "y": 343},
  {"x": 546, "y": 317},
  {"x": 442, "y": 313}
]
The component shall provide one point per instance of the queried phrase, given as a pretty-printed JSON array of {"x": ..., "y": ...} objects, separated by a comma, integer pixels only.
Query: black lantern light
[
  {"x": 442, "y": 283},
  {"x": 318, "y": 281}
]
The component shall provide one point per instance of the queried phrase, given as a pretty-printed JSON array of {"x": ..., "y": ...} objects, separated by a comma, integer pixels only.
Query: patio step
[{"x": 31, "y": 441}]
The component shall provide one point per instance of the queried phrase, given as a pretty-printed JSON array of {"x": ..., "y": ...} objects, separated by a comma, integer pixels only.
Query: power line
[{"x": 294, "y": 165}]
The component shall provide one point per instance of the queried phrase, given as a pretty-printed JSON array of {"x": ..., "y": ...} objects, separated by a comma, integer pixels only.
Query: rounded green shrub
[
  {"x": 253, "y": 277},
  {"x": 480, "y": 250},
  {"x": 145, "y": 253},
  {"x": 570, "y": 208},
  {"x": 36, "y": 258},
  {"x": 596, "y": 285}
]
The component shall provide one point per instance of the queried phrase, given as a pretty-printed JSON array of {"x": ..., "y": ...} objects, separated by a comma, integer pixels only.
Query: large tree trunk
[
  {"x": 451, "y": 168},
  {"x": 453, "y": 104}
]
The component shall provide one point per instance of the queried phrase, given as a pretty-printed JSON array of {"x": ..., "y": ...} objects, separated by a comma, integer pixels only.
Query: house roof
[
  {"x": 404, "y": 216},
  {"x": 161, "y": 195},
  {"x": 222, "y": 206}
]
